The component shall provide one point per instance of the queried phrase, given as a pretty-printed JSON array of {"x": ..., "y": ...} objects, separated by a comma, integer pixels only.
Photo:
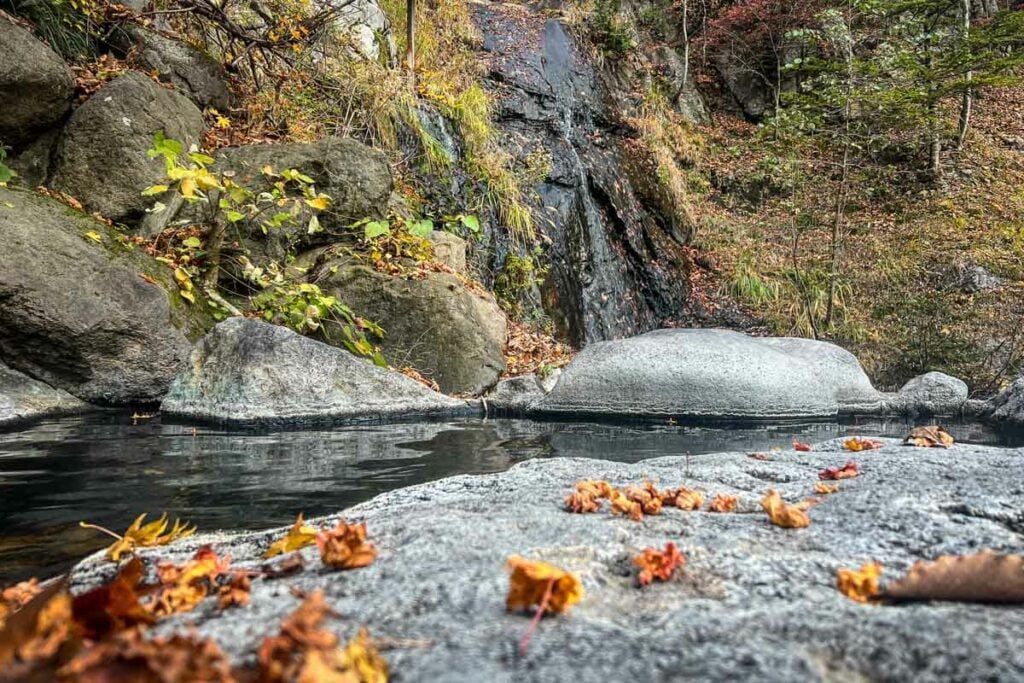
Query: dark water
[{"x": 107, "y": 470}]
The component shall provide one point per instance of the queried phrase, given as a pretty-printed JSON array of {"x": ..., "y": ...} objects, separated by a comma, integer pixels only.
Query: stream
[{"x": 107, "y": 469}]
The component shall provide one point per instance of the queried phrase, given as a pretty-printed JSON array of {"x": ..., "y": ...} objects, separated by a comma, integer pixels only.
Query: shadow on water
[{"x": 105, "y": 469}]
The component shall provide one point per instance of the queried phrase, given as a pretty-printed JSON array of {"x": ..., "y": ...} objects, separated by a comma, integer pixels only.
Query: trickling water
[{"x": 104, "y": 469}]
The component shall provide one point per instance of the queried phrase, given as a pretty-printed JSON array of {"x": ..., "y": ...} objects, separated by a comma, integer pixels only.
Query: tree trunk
[
  {"x": 410, "y": 41},
  {"x": 214, "y": 246},
  {"x": 967, "y": 103}
]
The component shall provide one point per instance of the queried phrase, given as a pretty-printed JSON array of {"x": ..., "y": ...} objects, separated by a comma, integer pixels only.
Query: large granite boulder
[
  {"x": 933, "y": 393},
  {"x": 36, "y": 85},
  {"x": 194, "y": 73},
  {"x": 451, "y": 334},
  {"x": 712, "y": 374},
  {"x": 101, "y": 159},
  {"x": 76, "y": 311},
  {"x": 1008, "y": 405},
  {"x": 514, "y": 396},
  {"x": 364, "y": 26},
  {"x": 250, "y": 372},
  {"x": 23, "y": 398},
  {"x": 754, "y": 602}
]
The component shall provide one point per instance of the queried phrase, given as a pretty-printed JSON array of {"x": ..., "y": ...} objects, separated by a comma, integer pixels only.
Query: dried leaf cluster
[
  {"x": 345, "y": 546},
  {"x": 857, "y": 444},
  {"x": 658, "y": 564},
  {"x": 848, "y": 471},
  {"x": 635, "y": 501},
  {"x": 929, "y": 437}
]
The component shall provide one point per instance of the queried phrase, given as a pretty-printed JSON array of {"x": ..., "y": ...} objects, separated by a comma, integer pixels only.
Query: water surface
[{"x": 106, "y": 469}]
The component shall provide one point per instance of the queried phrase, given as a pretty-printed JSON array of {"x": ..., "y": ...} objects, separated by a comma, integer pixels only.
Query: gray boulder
[
  {"x": 194, "y": 73},
  {"x": 250, "y": 372},
  {"x": 36, "y": 85},
  {"x": 23, "y": 398},
  {"x": 101, "y": 159},
  {"x": 514, "y": 395},
  {"x": 365, "y": 28},
  {"x": 449, "y": 249},
  {"x": 75, "y": 310},
  {"x": 448, "y": 332},
  {"x": 753, "y": 602},
  {"x": 712, "y": 373},
  {"x": 745, "y": 85},
  {"x": 933, "y": 393},
  {"x": 1008, "y": 405}
]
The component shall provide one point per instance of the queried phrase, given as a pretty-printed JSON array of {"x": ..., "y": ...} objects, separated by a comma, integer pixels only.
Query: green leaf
[
  {"x": 192, "y": 242},
  {"x": 375, "y": 229},
  {"x": 234, "y": 216},
  {"x": 200, "y": 158},
  {"x": 94, "y": 236},
  {"x": 154, "y": 190},
  {"x": 422, "y": 227},
  {"x": 6, "y": 174},
  {"x": 471, "y": 222},
  {"x": 187, "y": 295},
  {"x": 314, "y": 226}
]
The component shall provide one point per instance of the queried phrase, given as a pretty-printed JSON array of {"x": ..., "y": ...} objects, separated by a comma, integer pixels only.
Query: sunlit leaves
[
  {"x": 299, "y": 536},
  {"x": 533, "y": 583},
  {"x": 783, "y": 514},
  {"x": 658, "y": 564},
  {"x": 861, "y": 584},
  {"x": 723, "y": 502},
  {"x": 857, "y": 444},
  {"x": 139, "y": 535},
  {"x": 346, "y": 547}
]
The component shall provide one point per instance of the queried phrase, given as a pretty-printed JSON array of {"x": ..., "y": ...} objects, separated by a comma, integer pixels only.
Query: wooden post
[{"x": 410, "y": 41}]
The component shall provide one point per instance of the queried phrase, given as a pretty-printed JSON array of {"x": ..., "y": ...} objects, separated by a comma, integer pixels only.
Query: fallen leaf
[
  {"x": 646, "y": 496},
  {"x": 723, "y": 503},
  {"x": 305, "y": 652},
  {"x": 782, "y": 514},
  {"x": 291, "y": 564},
  {"x": 658, "y": 564},
  {"x": 848, "y": 471},
  {"x": 345, "y": 546},
  {"x": 800, "y": 446},
  {"x": 112, "y": 607},
  {"x": 235, "y": 593},
  {"x": 824, "y": 489},
  {"x": 184, "y": 586},
  {"x": 130, "y": 657},
  {"x": 580, "y": 502},
  {"x": 857, "y": 444},
  {"x": 688, "y": 499},
  {"x": 983, "y": 577},
  {"x": 17, "y": 596},
  {"x": 94, "y": 236},
  {"x": 621, "y": 505},
  {"x": 38, "y": 627},
  {"x": 928, "y": 437},
  {"x": 859, "y": 584},
  {"x": 531, "y": 580},
  {"x": 759, "y": 456},
  {"x": 298, "y": 537},
  {"x": 143, "y": 536},
  {"x": 595, "y": 488}
]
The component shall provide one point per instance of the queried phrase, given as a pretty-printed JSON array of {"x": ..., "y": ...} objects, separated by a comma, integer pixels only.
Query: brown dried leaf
[
  {"x": 848, "y": 471},
  {"x": 688, "y": 499},
  {"x": 928, "y": 437},
  {"x": 658, "y": 564},
  {"x": 39, "y": 627},
  {"x": 621, "y": 505},
  {"x": 291, "y": 564},
  {"x": 982, "y": 577},
  {"x": 648, "y": 500},
  {"x": 129, "y": 657},
  {"x": 235, "y": 593},
  {"x": 345, "y": 546},
  {"x": 581, "y": 502},
  {"x": 113, "y": 607},
  {"x": 823, "y": 489},
  {"x": 184, "y": 586},
  {"x": 861, "y": 584},
  {"x": 723, "y": 503},
  {"x": 782, "y": 514},
  {"x": 532, "y": 580}
]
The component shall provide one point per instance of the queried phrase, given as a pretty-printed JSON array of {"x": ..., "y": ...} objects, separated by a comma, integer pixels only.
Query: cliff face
[{"x": 618, "y": 267}]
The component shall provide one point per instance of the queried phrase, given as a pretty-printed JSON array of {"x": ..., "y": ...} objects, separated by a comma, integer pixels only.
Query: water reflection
[{"x": 104, "y": 469}]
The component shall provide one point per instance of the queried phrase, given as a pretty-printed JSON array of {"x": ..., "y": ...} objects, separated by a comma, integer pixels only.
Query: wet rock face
[
  {"x": 77, "y": 315},
  {"x": 616, "y": 270},
  {"x": 251, "y": 372},
  {"x": 753, "y": 603},
  {"x": 36, "y": 85},
  {"x": 23, "y": 398},
  {"x": 711, "y": 373}
]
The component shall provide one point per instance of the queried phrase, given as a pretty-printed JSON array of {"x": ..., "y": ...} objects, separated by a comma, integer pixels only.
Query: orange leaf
[
  {"x": 658, "y": 564},
  {"x": 857, "y": 444},
  {"x": 723, "y": 503},
  {"x": 530, "y": 581},
  {"x": 799, "y": 446},
  {"x": 784, "y": 515},
  {"x": 928, "y": 437},
  {"x": 345, "y": 546},
  {"x": 130, "y": 657},
  {"x": 982, "y": 577},
  {"x": 824, "y": 489},
  {"x": 185, "y": 586},
  {"x": 235, "y": 593},
  {"x": 688, "y": 499},
  {"x": 859, "y": 584},
  {"x": 848, "y": 471},
  {"x": 114, "y": 606},
  {"x": 581, "y": 502},
  {"x": 621, "y": 505},
  {"x": 648, "y": 498},
  {"x": 40, "y": 625}
]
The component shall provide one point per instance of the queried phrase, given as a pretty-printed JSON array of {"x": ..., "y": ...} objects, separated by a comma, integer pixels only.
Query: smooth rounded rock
[
  {"x": 711, "y": 374},
  {"x": 250, "y": 372},
  {"x": 933, "y": 393},
  {"x": 36, "y": 86},
  {"x": 23, "y": 398}
]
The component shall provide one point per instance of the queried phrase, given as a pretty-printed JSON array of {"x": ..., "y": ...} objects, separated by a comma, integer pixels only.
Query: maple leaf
[
  {"x": 800, "y": 446},
  {"x": 983, "y": 577},
  {"x": 298, "y": 537},
  {"x": 848, "y": 471},
  {"x": 859, "y": 584},
  {"x": 303, "y": 651},
  {"x": 782, "y": 514},
  {"x": 928, "y": 437},
  {"x": 688, "y": 499},
  {"x": 130, "y": 657},
  {"x": 143, "y": 536},
  {"x": 658, "y": 564},
  {"x": 345, "y": 546},
  {"x": 723, "y": 503},
  {"x": 857, "y": 444},
  {"x": 184, "y": 586},
  {"x": 114, "y": 606},
  {"x": 531, "y": 580},
  {"x": 38, "y": 627},
  {"x": 824, "y": 489},
  {"x": 235, "y": 593}
]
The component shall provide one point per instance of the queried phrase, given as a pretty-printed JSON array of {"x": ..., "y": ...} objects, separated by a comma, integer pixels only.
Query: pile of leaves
[
  {"x": 531, "y": 351},
  {"x": 635, "y": 501}
]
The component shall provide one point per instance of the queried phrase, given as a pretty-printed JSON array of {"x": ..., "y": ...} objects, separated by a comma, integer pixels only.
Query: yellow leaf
[
  {"x": 782, "y": 514},
  {"x": 535, "y": 583},
  {"x": 223, "y": 122},
  {"x": 153, "y": 534},
  {"x": 320, "y": 203},
  {"x": 188, "y": 188},
  {"x": 94, "y": 236},
  {"x": 298, "y": 537}
]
